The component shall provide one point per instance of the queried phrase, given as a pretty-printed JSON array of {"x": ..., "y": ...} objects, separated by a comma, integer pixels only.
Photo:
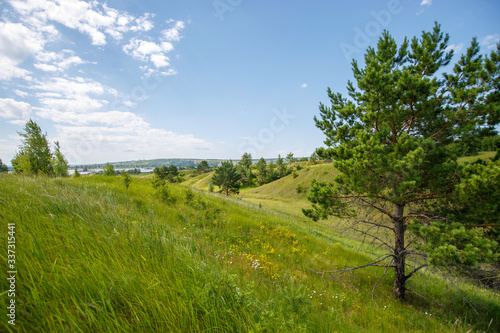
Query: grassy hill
[
  {"x": 94, "y": 257},
  {"x": 200, "y": 181},
  {"x": 286, "y": 187}
]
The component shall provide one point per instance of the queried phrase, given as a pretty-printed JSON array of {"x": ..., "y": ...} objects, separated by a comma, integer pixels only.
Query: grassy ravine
[{"x": 93, "y": 257}]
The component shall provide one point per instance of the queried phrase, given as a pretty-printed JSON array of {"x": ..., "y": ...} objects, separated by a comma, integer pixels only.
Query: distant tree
[
  {"x": 126, "y": 179},
  {"x": 289, "y": 158},
  {"x": 109, "y": 170},
  {"x": 60, "y": 164},
  {"x": 161, "y": 172},
  {"x": 389, "y": 142},
  {"x": 280, "y": 167},
  {"x": 271, "y": 175},
  {"x": 3, "y": 168},
  {"x": 34, "y": 155},
  {"x": 172, "y": 174},
  {"x": 227, "y": 178},
  {"x": 202, "y": 167},
  {"x": 314, "y": 158},
  {"x": 245, "y": 169},
  {"x": 76, "y": 174},
  {"x": 261, "y": 166},
  {"x": 246, "y": 161}
]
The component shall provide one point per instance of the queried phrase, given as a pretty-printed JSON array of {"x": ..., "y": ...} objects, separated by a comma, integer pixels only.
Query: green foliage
[
  {"x": 76, "y": 174},
  {"x": 246, "y": 161},
  {"x": 126, "y": 179},
  {"x": 389, "y": 139},
  {"x": 170, "y": 173},
  {"x": 244, "y": 168},
  {"x": 294, "y": 174},
  {"x": 324, "y": 154},
  {"x": 34, "y": 156},
  {"x": 162, "y": 191},
  {"x": 300, "y": 188},
  {"x": 109, "y": 170},
  {"x": 280, "y": 167},
  {"x": 261, "y": 167},
  {"x": 227, "y": 178},
  {"x": 289, "y": 158},
  {"x": 3, "y": 168},
  {"x": 314, "y": 158},
  {"x": 60, "y": 164},
  {"x": 453, "y": 243},
  {"x": 202, "y": 167}
]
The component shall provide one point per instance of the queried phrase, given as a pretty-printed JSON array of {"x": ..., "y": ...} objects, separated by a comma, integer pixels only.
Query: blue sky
[{"x": 126, "y": 80}]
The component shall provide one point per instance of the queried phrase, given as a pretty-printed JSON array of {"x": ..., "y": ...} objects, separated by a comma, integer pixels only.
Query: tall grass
[{"x": 94, "y": 257}]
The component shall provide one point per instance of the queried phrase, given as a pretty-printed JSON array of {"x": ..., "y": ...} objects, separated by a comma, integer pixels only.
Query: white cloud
[
  {"x": 173, "y": 34},
  {"x": 17, "y": 42},
  {"x": 149, "y": 51},
  {"x": 12, "y": 109},
  {"x": 490, "y": 41},
  {"x": 90, "y": 18},
  {"x": 103, "y": 143},
  {"x": 426, "y": 3},
  {"x": 83, "y": 109},
  {"x": 20, "y": 93},
  {"x": 57, "y": 62},
  {"x": 77, "y": 86},
  {"x": 155, "y": 52},
  {"x": 455, "y": 47},
  {"x": 303, "y": 85}
]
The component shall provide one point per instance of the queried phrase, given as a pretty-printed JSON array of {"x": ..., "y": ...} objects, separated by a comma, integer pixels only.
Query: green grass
[
  {"x": 484, "y": 155},
  {"x": 93, "y": 257}
]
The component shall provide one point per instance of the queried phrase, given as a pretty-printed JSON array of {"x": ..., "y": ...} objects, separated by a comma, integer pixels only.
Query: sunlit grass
[{"x": 94, "y": 257}]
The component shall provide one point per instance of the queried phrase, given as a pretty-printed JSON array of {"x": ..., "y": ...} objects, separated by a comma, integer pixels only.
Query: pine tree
[
  {"x": 280, "y": 167},
  {"x": 261, "y": 166},
  {"x": 389, "y": 142},
  {"x": 227, "y": 178}
]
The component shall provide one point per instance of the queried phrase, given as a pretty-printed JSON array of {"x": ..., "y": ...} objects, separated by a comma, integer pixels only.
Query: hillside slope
[
  {"x": 94, "y": 257},
  {"x": 286, "y": 187}
]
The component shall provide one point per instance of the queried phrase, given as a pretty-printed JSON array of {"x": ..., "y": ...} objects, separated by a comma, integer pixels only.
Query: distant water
[{"x": 89, "y": 171}]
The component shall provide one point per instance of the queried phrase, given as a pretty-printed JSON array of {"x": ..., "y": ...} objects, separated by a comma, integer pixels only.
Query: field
[{"x": 92, "y": 256}]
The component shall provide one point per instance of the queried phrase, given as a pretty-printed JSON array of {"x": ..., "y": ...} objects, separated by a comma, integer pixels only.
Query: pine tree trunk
[{"x": 399, "y": 254}]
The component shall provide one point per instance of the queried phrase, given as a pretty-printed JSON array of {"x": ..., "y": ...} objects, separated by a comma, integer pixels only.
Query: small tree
[
  {"x": 261, "y": 171},
  {"x": 60, "y": 164},
  {"x": 271, "y": 176},
  {"x": 280, "y": 167},
  {"x": 76, "y": 174},
  {"x": 290, "y": 159},
  {"x": 227, "y": 178},
  {"x": 314, "y": 158},
  {"x": 126, "y": 179},
  {"x": 109, "y": 170},
  {"x": 172, "y": 174},
  {"x": 3, "y": 167},
  {"x": 389, "y": 142},
  {"x": 245, "y": 169},
  {"x": 246, "y": 161},
  {"x": 34, "y": 155},
  {"x": 202, "y": 167}
]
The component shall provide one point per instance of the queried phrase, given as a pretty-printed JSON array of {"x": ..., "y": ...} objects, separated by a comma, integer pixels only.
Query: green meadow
[{"x": 92, "y": 256}]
